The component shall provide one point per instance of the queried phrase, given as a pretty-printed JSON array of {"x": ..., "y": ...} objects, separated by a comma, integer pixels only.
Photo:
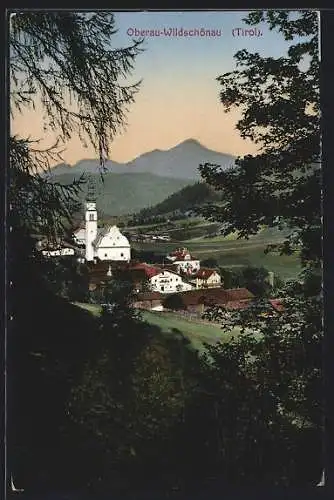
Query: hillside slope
[
  {"x": 183, "y": 200},
  {"x": 119, "y": 194}
]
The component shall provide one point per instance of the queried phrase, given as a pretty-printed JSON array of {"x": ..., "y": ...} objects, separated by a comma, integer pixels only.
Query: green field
[
  {"x": 95, "y": 309},
  {"x": 196, "y": 332},
  {"x": 231, "y": 253}
]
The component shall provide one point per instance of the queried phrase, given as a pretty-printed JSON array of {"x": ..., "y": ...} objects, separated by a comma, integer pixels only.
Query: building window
[
  {"x": 106, "y": 255},
  {"x": 122, "y": 254},
  {"x": 91, "y": 216}
]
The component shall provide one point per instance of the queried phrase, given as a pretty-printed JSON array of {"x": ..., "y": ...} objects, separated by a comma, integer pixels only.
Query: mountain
[
  {"x": 87, "y": 167},
  {"x": 120, "y": 194},
  {"x": 183, "y": 200},
  {"x": 179, "y": 162}
]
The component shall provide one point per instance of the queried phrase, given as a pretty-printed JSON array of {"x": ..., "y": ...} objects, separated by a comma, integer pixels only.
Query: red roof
[
  {"x": 148, "y": 270},
  {"x": 237, "y": 304},
  {"x": 277, "y": 304},
  {"x": 214, "y": 296},
  {"x": 143, "y": 296},
  {"x": 205, "y": 273},
  {"x": 182, "y": 254},
  {"x": 169, "y": 267}
]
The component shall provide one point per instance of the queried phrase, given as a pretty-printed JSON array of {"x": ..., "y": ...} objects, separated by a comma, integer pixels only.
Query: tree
[
  {"x": 279, "y": 187},
  {"x": 256, "y": 280},
  {"x": 277, "y": 375},
  {"x": 66, "y": 277},
  {"x": 279, "y": 100},
  {"x": 129, "y": 399},
  {"x": 64, "y": 64},
  {"x": 210, "y": 262}
]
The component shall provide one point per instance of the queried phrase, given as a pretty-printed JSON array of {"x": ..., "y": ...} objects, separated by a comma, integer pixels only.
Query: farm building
[{"x": 198, "y": 301}]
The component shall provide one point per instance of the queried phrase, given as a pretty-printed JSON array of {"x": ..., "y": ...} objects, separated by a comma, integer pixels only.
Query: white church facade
[{"x": 104, "y": 243}]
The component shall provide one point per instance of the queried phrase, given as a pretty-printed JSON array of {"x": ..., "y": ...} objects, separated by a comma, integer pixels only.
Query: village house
[
  {"x": 157, "y": 279},
  {"x": 184, "y": 261},
  {"x": 206, "y": 278},
  {"x": 59, "y": 252},
  {"x": 169, "y": 282},
  {"x": 144, "y": 277},
  {"x": 197, "y": 301},
  {"x": 58, "y": 248}
]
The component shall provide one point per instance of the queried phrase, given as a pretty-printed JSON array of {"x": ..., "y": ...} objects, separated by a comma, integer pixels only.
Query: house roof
[
  {"x": 148, "y": 270},
  {"x": 102, "y": 266},
  {"x": 143, "y": 296},
  {"x": 49, "y": 246},
  {"x": 113, "y": 231},
  {"x": 169, "y": 267},
  {"x": 205, "y": 273},
  {"x": 277, "y": 304},
  {"x": 214, "y": 296},
  {"x": 237, "y": 304}
]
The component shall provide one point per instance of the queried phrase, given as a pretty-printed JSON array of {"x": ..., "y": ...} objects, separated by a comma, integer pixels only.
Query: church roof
[{"x": 113, "y": 231}]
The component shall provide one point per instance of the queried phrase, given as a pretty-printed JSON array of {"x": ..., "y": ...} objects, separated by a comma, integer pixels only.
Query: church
[{"x": 106, "y": 243}]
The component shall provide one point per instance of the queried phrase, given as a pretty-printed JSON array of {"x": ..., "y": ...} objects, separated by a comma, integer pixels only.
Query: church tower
[{"x": 91, "y": 221}]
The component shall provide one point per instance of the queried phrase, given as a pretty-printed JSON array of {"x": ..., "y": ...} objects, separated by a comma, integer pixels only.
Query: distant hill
[
  {"x": 183, "y": 200},
  {"x": 120, "y": 194},
  {"x": 179, "y": 162},
  {"x": 182, "y": 161}
]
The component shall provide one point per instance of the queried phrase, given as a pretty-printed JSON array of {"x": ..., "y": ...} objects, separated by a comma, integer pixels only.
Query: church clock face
[{"x": 91, "y": 206}]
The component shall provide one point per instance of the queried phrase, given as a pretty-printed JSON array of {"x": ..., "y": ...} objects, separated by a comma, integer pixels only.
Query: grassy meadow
[
  {"x": 197, "y": 332},
  {"x": 232, "y": 253}
]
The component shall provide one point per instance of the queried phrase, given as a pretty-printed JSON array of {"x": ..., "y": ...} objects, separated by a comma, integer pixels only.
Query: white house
[
  {"x": 184, "y": 261},
  {"x": 159, "y": 280},
  {"x": 59, "y": 252},
  {"x": 168, "y": 282},
  {"x": 207, "y": 278},
  {"x": 106, "y": 243}
]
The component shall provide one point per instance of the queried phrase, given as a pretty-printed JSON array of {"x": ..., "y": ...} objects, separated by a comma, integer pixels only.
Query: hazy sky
[{"x": 179, "y": 96}]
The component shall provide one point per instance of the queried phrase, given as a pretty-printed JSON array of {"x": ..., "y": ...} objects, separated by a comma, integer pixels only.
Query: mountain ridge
[{"x": 179, "y": 162}]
